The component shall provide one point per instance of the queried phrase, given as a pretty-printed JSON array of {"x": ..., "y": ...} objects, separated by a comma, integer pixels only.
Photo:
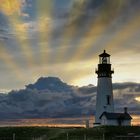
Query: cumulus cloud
[
  {"x": 51, "y": 97},
  {"x": 125, "y": 94},
  {"x": 48, "y": 97}
]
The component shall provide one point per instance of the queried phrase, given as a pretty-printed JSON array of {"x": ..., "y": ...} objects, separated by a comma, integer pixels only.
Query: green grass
[{"x": 28, "y": 133}]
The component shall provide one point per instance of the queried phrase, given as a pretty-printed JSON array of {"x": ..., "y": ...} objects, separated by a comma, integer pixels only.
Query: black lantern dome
[{"x": 104, "y": 66}]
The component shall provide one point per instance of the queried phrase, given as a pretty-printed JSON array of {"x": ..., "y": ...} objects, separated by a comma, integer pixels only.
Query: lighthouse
[
  {"x": 104, "y": 98},
  {"x": 105, "y": 114}
]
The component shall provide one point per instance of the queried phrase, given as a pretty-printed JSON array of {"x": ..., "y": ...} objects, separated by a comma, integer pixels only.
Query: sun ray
[
  {"x": 85, "y": 70},
  {"x": 97, "y": 28},
  {"x": 86, "y": 42},
  {"x": 20, "y": 31},
  {"x": 11, "y": 10},
  {"x": 11, "y": 63},
  {"x": 9, "y": 6},
  {"x": 20, "y": 28},
  {"x": 137, "y": 99},
  {"x": 124, "y": 34},
  {"x": 44, "y": 29},
  {"x": 69, "y": 31}
]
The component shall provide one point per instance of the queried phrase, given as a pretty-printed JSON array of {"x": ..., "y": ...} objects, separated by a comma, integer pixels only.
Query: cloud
[
  {"x": 50, "y": 97},
  {"x": 4, "y": 27},
  {"x": 125, "y": 95},
  {"x": 10, "y": 7}
]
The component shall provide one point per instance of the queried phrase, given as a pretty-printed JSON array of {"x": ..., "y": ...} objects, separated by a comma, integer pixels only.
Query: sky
[{"x": 63, "y": 38}]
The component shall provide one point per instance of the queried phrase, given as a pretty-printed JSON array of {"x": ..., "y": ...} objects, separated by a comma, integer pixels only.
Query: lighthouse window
[
  {"x": 104, "y": 60},
  {"x": 108, "y": 99}
]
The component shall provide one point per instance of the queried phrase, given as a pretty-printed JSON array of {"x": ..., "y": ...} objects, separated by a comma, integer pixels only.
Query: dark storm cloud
[
  {"x": 133, "y": 87},
  {"x": 126, "y": 96},
  {"x": 50, "y": 97},
  {"x": 128, "y": 101},
  {"x": 57, "y": 99}
]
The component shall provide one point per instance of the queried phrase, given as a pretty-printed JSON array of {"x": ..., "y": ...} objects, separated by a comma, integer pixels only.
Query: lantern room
[{"x": 104, "y": 58}]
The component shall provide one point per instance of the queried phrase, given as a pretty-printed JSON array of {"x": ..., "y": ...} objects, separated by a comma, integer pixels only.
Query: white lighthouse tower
[{"x": 104, "y": 99}]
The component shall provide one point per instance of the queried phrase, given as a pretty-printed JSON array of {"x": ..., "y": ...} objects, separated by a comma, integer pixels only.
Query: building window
[{"x": 108, "y": 99}]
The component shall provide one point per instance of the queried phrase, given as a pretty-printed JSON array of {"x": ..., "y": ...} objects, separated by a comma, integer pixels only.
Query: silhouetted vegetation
[{"x": 43, "y": 133}]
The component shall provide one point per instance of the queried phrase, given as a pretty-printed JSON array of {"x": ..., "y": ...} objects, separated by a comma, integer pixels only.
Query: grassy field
[{"x": 45, "y": 133}]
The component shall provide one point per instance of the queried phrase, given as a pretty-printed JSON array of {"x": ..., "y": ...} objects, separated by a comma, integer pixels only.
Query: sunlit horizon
[{"x": 57, "y": 122}]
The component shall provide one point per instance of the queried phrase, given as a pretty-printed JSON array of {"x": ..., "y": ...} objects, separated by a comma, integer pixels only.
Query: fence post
[
  {"x": 103, "y": 135},
  {"x": 85, "y": 137},
  {"x": 67, "y": 136},
  {"x": 14, "y": 136}
]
